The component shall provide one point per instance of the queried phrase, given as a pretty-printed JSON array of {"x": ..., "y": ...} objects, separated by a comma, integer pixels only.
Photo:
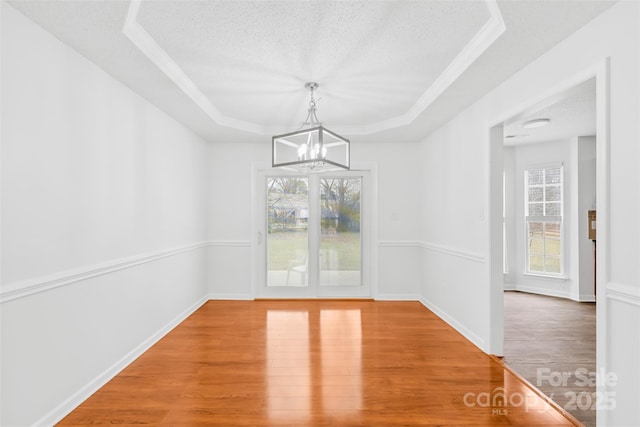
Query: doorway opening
[{"x": 547, "y": 182}]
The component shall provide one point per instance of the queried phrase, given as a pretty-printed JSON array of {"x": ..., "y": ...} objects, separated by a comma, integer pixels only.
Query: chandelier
[{"x": 312, "y": 149}]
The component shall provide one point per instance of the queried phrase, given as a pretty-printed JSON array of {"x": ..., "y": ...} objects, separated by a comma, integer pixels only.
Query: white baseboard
[
  {"x": 381, "y": 297},
  {"x": 510, "y": 287},
  {"x": 585, "y": 298},
  {"x": 397, "y": 297},
  {"x": 94, "y": 385},
  {"x": 470, "y": 335},
  {"x": 241, "y": 297},
  {"x": 542, "y": 291},
  {"x": 550, "y": 293}
]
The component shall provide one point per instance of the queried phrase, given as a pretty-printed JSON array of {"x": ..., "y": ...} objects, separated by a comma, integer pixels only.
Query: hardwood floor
[
  {"x": 547, "y": 337},
  {"x": 315, "y": 363}
]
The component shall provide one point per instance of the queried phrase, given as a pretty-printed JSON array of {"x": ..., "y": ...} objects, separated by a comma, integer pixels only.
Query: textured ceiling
[
  {"x": 373, "y": 60},
  {"x": 235, "y": 70},
  {"x": 572, "y": 113}
]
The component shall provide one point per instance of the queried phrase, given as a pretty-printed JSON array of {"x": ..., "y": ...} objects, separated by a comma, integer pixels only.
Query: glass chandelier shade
[{"x": 313, "y": 149}]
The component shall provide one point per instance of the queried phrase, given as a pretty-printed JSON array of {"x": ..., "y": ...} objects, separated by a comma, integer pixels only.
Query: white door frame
[{"x": 599, "y": 71}]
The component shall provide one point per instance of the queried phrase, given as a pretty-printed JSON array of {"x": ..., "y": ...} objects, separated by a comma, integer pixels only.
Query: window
[{"x": 543, "y": 218}]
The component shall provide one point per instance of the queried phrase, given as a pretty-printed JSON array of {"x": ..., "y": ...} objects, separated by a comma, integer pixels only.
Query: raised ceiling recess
[{"x": 379, "y": 64}]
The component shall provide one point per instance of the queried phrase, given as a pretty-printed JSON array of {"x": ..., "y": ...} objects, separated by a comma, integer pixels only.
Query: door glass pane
[
  {"x": 340, "y": 240},
  {"x": 287, "y": 231}
]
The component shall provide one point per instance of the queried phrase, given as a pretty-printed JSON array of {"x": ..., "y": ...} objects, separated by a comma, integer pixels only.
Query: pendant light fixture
[{"x": 312, "y": 149}]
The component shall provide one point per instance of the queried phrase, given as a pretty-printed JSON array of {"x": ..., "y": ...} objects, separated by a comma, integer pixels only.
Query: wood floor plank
[
  {"x": 545, "y": 335},
  {"x": 315, "y": 363}
]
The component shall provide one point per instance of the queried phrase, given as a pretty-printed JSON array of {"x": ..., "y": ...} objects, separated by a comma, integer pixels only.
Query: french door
[{"x": 314, "y": 240}]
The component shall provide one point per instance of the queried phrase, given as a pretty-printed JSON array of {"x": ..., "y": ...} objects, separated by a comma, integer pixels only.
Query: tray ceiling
[
  {"x": 373, "y": 60},
  {"x": 235, "y": 70}
]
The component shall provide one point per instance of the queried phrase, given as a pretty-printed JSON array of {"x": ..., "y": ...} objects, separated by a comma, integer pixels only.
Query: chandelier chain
[{"x": 312, "y": 118}]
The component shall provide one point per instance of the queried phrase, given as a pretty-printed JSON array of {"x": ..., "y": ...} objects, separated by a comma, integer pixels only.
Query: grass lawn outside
[
  {"x": 284, "y": 247},
  {"x": 539, "y": 255}
]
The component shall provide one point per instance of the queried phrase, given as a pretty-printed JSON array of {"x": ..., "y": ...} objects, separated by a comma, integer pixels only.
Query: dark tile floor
[{"x": 551, "y": 342}]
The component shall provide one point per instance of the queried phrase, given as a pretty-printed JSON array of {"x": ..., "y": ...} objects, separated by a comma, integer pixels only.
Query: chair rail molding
[
  {"x": 398, "y": 243},
  {"x": 459, "y": 253},
  {"x": 39, "y": 284},
  {"x": 623, "y": 292},
  {"x": 222, "y": 243}
]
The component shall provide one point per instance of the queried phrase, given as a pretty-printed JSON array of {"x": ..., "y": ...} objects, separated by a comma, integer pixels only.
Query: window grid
[{"x": 544, "y": 201}]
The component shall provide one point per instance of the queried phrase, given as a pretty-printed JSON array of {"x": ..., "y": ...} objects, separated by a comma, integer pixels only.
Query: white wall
[
  {"x": 453, "y": 219},
  {"x": 230, "y": 223},
  {"x": 103, "y": 223},
  {"x": 584, "y": 193},
  {"x": 511, "y": 185},
  {"x": 399, "y": 220},
  {"x": 106, "y": 203},
  {"x": 579, "y": 189},
  {"x": 463, "y": 145},
  {"x": 230, "y": 231}
]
